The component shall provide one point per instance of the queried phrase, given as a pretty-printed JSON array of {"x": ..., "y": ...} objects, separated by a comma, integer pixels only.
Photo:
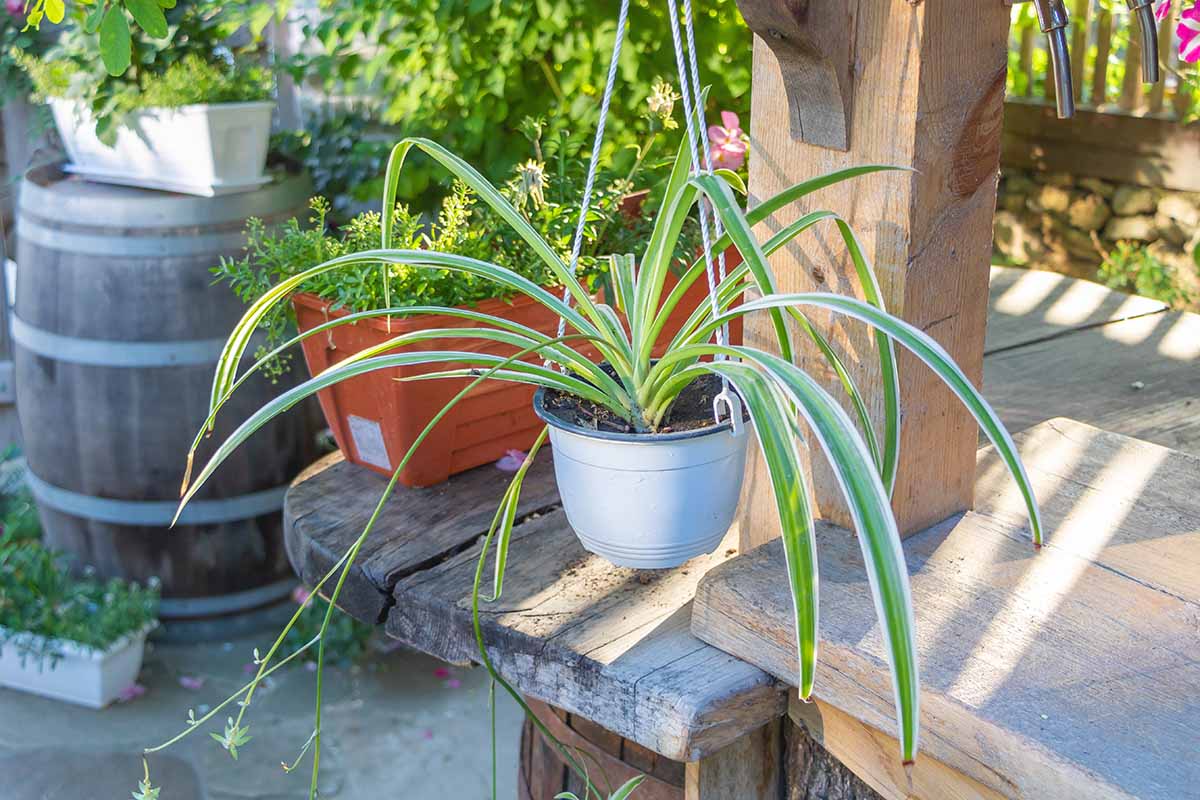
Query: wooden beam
[
  {"x": 1147, "y": 150},
  {"x": 869, "y": 753},
  {"x": 1067, "y": 672},
  {"x": 928, "y": 94}
]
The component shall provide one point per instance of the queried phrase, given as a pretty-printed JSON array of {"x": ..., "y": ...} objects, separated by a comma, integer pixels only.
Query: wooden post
[
  {"x": 751, "y": 768},
  {"x": 928, "y": 94}
]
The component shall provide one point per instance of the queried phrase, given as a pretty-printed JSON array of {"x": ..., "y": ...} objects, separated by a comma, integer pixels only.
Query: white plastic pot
[
  {"x": 83, "y": 675},
  {"x": 204, "y": 149},
  {"x": 649, "y": 501}
]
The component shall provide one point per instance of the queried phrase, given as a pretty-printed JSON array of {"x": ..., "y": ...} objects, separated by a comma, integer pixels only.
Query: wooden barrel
[
  {"x": 543, "y": 773},
  {"x": 117, "y": 329}
]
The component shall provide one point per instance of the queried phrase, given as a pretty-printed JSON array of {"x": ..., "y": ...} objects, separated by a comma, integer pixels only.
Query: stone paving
[{"x": 397, "y": 725}]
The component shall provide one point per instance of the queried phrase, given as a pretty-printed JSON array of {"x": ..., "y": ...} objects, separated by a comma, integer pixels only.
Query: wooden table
[{"x": 617, "y": 647}]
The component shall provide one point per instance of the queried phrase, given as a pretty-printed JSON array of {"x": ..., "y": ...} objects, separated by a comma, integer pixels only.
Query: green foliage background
[{"x": 466, "y": 72}]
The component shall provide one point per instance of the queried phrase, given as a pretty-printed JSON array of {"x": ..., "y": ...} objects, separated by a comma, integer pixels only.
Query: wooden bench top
[
  {"x": 614, "y": 645},
  {"x": 1066, "y": 673}
]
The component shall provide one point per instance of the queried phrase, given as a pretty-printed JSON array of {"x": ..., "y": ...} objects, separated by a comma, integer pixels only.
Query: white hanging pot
[
  {"x": 649, "y": 501},
  {"x": 207, "y": 149}
]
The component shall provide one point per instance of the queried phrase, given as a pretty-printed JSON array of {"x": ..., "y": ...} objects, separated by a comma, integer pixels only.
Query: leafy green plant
[
  {"x": 344, "y": 153},
  {"x": 459, "y": 71},
  {"x": 189, "y": 64},
  {"x": 40, "y": 596},
  {"x": 1131, "y": 266},
  {"x": 641, "y": 390},
  {"x": 543, "y": 189},
  {"x": 119, "y": 26}
]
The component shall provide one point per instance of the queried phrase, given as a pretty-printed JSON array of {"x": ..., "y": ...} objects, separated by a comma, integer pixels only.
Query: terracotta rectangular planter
[{"x": 376, "y": 418}]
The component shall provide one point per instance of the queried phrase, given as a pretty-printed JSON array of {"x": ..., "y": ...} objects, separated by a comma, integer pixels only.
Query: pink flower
[
  {"x": 427, "y": 734},
  {"x": 131, "y": 692},
  {"x": 441, "y": 673},
  {"x": 1189, "y": 34},
  {"x": 511, "y": 461},
  {"x": 300, "y": 595},
  {"x": 15, "y": 8},
  {"x": 1162, "y": 10},
  {"x": 191, "y": 682},
  {"x": 453, "y": 683},
  {"x": 729, "y": 142}
]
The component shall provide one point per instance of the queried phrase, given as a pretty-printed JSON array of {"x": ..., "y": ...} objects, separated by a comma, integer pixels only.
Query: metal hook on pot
[{"x": 733, "y": 405}]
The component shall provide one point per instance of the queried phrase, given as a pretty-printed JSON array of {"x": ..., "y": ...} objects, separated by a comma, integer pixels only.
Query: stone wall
[{"x": 1056, "y": 221}]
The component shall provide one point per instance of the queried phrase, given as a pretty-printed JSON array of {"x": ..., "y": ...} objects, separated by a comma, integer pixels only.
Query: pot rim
[{"x": 553, "y": 421}]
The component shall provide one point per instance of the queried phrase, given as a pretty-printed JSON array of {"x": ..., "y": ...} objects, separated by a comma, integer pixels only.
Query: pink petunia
[
  {"x": 1162, "y": 10},
  {"x": 1189, "y": 34},
  {"x": 131, "y": 692},
  {"x": 729, "y": 142},
  {"x": 511, "y": 461}
]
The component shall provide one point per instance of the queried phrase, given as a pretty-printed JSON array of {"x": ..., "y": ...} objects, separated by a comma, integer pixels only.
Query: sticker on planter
[{"x": 368, "y": 441}]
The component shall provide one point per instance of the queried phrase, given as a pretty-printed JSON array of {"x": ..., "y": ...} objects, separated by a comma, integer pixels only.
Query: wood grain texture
[
  {"x": 1069, "y": 672},
  {"x": 813, "y": 45},
  {"x": 600, "y": 750},
  {"x": 1117, "y": 147},
  {"x": 607, "y": 643},
  {"x": 751, "y": 768},
  {"x": 928, "y": 95},
  {"x": 611, "y": 645},
  {"x": 814, "y": 773},
  {"x": 123, "y": 433},
  {"x": 1027, "y": 306},
  {"x": 1139, "y": 377},
  {"x": 329, "y": 505},
  {"x": 868, "y": 754}
]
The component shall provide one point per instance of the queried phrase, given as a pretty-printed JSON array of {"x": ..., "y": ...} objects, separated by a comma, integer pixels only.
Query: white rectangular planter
[
  {"x": 204, "y": 149},
  {"x": 83, "y": 675}
]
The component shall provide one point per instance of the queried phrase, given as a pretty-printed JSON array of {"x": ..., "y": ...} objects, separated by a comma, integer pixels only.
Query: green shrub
[
  {"x": 463, "y": 72},
  {"x": 39, "y": 595},
  {"x": 1133, "y": 268}
]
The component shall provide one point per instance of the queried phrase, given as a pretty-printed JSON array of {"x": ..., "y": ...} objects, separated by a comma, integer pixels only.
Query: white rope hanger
[{"x": 694, "y": 114}]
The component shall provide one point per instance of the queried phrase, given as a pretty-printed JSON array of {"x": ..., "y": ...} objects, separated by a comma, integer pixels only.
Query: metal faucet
[
  {"x": 1144, "y": 11},
  {"x": 1052, "y": 17}
]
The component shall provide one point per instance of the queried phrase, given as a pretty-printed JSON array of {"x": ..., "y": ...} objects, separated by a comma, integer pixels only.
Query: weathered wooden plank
[
  {"x": 1139, "y": 377},
  {"x": 1028, "y": 306},
  {"x": 928, "y": 94},
  {"x": 329, "y": 504},
  {"x": 1069, "y": 672},
  {"x": 607, "y": 643},
  {"x": 868, "y": 753},
  {"x": 1118, "y": 147}
]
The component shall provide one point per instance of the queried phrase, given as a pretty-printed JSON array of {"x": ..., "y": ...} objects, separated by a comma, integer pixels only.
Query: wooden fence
[
  {"x": 1124, "y": 130},
  {"x": 1106, "y": 54}
]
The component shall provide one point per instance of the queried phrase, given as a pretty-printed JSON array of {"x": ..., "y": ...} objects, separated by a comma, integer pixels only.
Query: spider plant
[{"x": 779, "y": 396}]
